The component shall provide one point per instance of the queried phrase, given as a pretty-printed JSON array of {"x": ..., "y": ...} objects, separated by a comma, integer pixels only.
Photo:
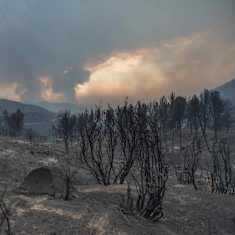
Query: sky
[{"x": 91, "y": 52}]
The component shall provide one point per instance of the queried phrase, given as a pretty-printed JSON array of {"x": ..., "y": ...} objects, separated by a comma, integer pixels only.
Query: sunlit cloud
[
  {"x": 184, "y": 65},
  {"x": 121, "y": 75},
  {"x": 12, "y": 91},
  {"x": 47, "y": 92}
]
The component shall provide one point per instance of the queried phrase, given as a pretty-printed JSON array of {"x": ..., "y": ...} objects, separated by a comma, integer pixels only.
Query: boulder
[{"x": 43, "y": 180}]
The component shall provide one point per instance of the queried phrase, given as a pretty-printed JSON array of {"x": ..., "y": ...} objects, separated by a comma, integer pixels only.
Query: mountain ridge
[
  {"x": 227, "y": 90},
  {"x": 12, "y": 106},
  {"x": 35, "y": 117},
  {"x": 60, "y": 106}
]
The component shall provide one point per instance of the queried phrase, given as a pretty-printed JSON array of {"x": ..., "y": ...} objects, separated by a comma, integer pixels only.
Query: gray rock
[{"x": 43, "y": 180}]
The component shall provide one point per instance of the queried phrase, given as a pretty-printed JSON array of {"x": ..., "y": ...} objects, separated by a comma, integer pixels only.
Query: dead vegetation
[{"x": 133, "y": 152}]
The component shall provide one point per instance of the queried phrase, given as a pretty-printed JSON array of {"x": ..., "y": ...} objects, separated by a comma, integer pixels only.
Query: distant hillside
[
  {"x": 37, "y": 118},
  {"x": 228, "y": 90},
  {"x": 32, "y": 113},
  {"x": 60, "y": 107}
]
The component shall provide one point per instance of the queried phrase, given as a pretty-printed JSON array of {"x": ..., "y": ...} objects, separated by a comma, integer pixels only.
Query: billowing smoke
[
  {"x": 60, "y": 39},
  {"x": 47, "y": 90},
  {"x": 185, "y": 65}
]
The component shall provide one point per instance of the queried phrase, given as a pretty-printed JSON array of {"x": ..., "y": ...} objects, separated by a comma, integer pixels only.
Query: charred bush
[{"x": 150, "y": 171}]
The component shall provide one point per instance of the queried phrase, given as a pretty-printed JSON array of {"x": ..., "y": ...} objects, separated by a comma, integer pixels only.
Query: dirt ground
[{"x": 96, "y": 210}]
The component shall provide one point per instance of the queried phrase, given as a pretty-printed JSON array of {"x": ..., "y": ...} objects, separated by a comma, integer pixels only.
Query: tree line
[
  {"x": 12, "y": 123},
  {"x": 130, "y": 143}
]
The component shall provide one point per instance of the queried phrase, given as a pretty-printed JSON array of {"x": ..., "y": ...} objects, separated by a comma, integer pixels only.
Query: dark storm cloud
[{"x": 57, "y": 37}]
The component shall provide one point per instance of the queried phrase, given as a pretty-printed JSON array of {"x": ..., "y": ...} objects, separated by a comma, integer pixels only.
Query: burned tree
[
  {"x": 65, "y": 128},
  {"x": 221, "y": 169},
  {"x": 5, "y": 214},
  {"x": 98, "y": 143},
  {"x": 68, "y": 175},
  {"x": 127, "y": 134},
  {"x": 191, "y": 161},
  {"x": 172, "y": 124},
  {"x": 193, "y": 109},
  {"x": 216, "y": 111},
  {"x": 215, "y": 114},
  {"x": 150, "y": 171},
  {"x": 204, "y": 116},
  {"x": 164, "y": 118},
  {"x": 179, "y": 107},
  {"x": 108, "y": 141}
]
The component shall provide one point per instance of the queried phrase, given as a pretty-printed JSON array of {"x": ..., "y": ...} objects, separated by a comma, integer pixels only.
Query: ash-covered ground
[{"x": 96, "y": 209}]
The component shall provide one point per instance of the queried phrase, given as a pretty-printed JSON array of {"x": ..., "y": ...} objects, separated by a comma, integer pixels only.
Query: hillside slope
[
  {"x": 32, "y": 113},
  {"x": 228, "y": 90},
  {"x": 37, "y": 118},
  {"x": 60, "y": 107}
]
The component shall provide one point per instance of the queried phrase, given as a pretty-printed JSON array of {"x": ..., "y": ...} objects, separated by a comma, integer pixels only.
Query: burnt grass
[{"x": 96, "y": 209}]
